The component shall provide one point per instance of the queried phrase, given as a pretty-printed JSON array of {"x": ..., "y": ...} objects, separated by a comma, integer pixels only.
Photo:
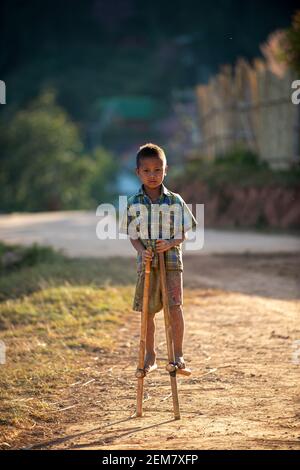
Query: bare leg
[
  {"x": 177, "y": 322},
  {"x": 150, "y": 359}
]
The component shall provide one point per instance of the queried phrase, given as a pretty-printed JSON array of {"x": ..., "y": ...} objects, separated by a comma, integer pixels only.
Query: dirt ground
[
  {"x": 74, "y": 232},
  {"x": 242, "y": 327}
]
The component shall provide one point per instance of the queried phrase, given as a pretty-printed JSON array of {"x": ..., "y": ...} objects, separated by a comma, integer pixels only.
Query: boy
[{"x": 151, "y": 168}]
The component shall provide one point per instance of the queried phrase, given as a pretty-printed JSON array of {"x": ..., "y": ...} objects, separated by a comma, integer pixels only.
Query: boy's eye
[{"x": 157, "y": 170}]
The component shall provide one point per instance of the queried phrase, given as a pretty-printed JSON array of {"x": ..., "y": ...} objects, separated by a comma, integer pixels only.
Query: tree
[
  {"x": 43, "y": 166},
  {"x": 293, "y": 37},
  {"x": 288, "y": 48}
]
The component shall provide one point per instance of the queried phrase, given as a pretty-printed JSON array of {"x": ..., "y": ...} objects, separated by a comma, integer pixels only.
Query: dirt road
[
  {"x": 243, "y": 344},
  {"x": 74, "y": 232}
]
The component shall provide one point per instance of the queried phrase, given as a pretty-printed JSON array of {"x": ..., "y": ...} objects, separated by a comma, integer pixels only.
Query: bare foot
[
  {"x": 150, "y": 363},
  {"x": 180, "y": 362}
]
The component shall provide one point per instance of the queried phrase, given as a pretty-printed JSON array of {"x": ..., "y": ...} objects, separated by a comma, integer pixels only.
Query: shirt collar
[{"x": 164, "y": 190}]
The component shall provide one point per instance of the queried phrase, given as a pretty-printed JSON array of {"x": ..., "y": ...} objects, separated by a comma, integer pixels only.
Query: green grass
[
  {"x": 48, "y": 268},
  {"x": 239, "y": 167},
  {"x": 56, "y": 315}
]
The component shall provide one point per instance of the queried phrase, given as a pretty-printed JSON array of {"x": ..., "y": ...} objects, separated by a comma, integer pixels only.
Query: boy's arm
[{"x": 137, "y": 245}]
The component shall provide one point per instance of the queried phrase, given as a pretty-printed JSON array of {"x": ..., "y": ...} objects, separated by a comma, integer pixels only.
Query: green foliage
[
  {"x": 40, "y": 160},
  {"x": 103, "y": 176},
  {"x": 240, "y": 167},
  {"x": 240, "y": 157},
  {"x": 24, "y": 270},
  {"x": 43, "y": 166},
  {"x": 13, "y": 257},
  {"x": 95, "y": 49},
  {"x": 292, "y": 53}
]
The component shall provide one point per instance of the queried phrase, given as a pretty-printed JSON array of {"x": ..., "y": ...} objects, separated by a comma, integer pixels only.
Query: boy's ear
[
  {"x": 137, "y": 172},
  {"x": 166, "y": 169}
]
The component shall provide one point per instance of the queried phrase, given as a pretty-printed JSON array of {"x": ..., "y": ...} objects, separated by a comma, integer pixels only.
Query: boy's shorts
[{"x": 174, "y": 285}]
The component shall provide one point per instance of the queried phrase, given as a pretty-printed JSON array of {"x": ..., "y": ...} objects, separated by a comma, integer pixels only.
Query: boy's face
[{"x": 152, "y": 171}]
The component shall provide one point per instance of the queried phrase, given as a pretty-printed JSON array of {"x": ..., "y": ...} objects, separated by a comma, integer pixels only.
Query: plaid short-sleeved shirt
[{"x": 149, "y": 221}]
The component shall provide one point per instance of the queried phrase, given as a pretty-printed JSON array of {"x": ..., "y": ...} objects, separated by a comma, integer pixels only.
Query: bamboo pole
[
  {"x": 169, "y": 335},
  {"x": 140, "y": 374}
]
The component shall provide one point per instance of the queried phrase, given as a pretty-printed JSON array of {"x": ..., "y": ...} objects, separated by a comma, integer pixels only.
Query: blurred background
[
  {"x": 83, "y": 84},
  {"x": 88, "y": 82}
]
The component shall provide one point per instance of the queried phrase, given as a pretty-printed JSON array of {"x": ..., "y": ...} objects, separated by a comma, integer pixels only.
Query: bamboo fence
[{"x": 250, "y": 105}]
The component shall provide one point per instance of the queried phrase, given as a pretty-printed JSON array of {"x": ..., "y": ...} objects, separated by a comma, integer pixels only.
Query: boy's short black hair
[{"x": 150, "y": 150}]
